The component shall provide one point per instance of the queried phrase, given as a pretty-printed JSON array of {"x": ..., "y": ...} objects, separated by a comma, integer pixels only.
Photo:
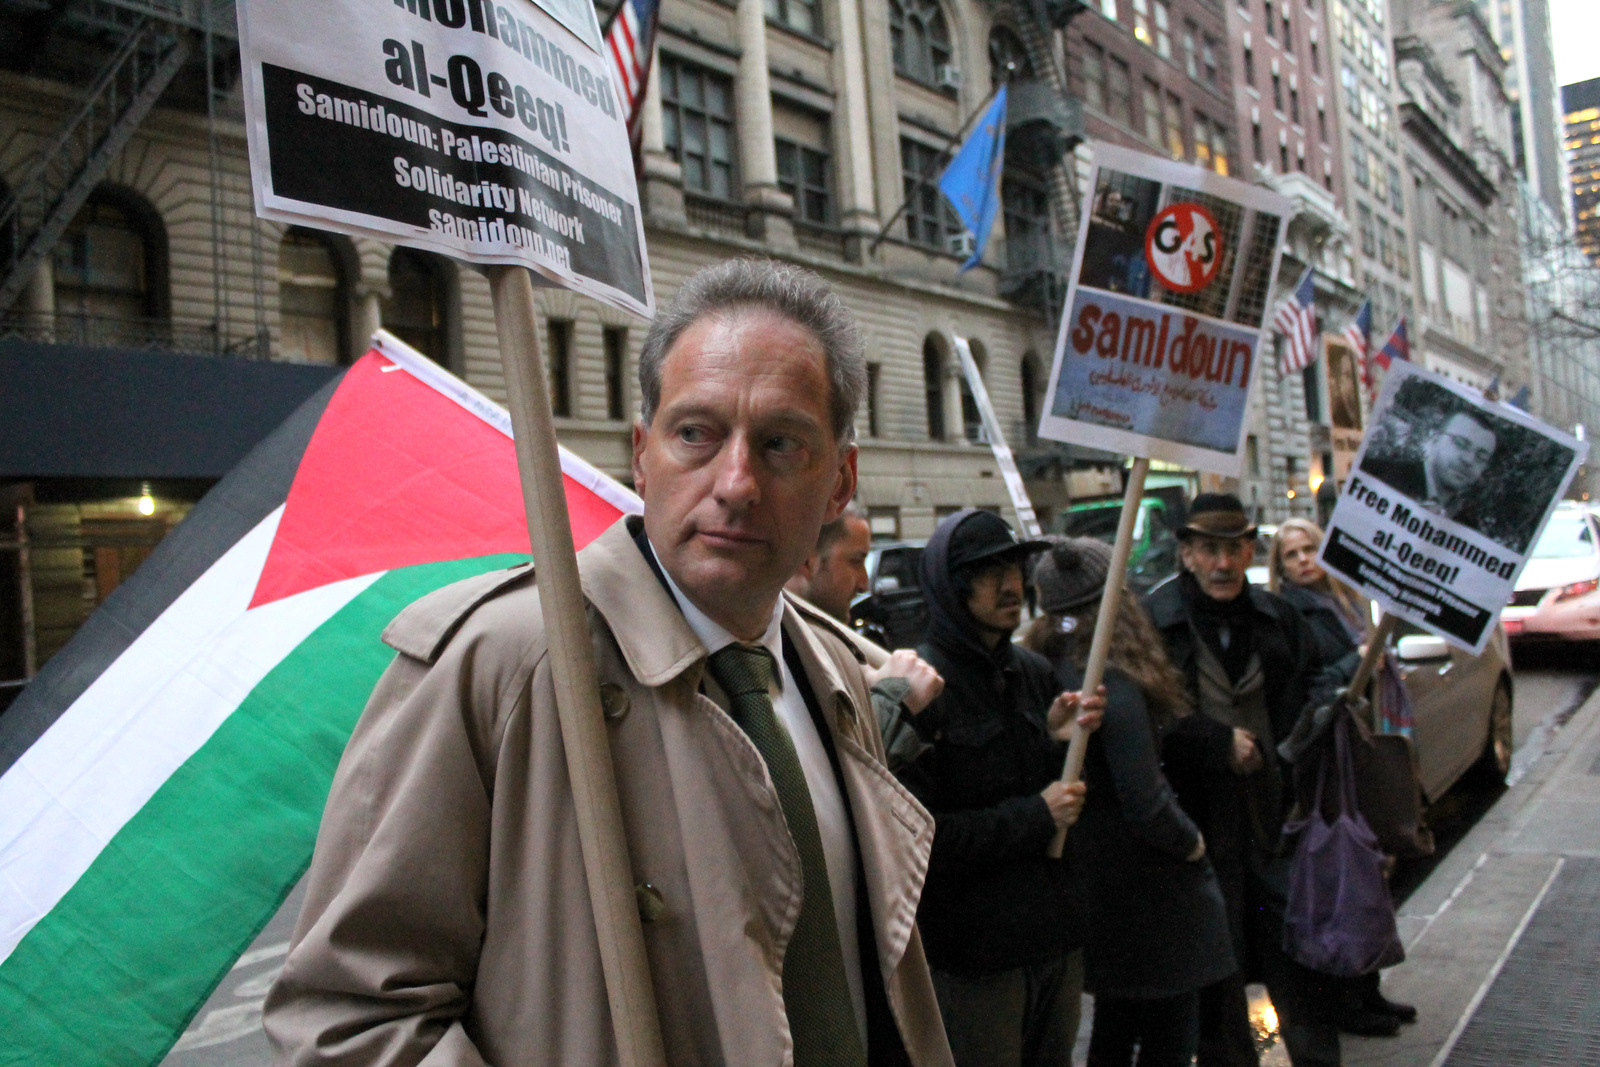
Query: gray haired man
[{"x": 777, "y": 864}]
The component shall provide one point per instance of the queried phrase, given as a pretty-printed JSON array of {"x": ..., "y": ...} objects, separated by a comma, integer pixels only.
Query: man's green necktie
[{"x": 816, "y": 994}]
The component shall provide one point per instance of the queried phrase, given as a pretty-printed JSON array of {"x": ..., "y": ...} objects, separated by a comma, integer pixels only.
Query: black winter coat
[
  {"x": 1340, "y": 654},
  {"x": 1197, "y": 751},
  {"x": 993, "y": 900},
  {"x": 1156, "y": 922}
]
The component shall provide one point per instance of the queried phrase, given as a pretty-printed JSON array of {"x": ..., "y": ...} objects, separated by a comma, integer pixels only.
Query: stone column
[
  {"x": 858, "y": 207},
  {"x": 662, "y": 187},
  {"x": 771, "y": 211},
  {"x": 878, "y": 62},
  {"x": 369, "y": 317},
  {"x": 955, "y": 420},
  {"x": 39, "y": 302}
]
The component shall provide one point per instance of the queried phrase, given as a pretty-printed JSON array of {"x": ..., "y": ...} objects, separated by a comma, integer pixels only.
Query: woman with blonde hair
[
  {"x": 1158, "y": 933},
  {"x": 1340, "y": 620}
]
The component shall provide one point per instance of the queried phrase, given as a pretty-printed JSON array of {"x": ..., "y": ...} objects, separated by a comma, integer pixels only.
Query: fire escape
[{"x": 129, "y": 54}]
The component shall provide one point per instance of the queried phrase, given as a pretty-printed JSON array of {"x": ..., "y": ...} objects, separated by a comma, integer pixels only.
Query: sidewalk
[{"x": 1503, "y": 939}]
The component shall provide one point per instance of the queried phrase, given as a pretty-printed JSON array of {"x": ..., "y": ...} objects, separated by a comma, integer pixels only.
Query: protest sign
[
  {"x": 486, "y": 130},
  {"x": 1447, "y": 496},
  {"x": 1027, "y": 518},
  {"x": 1163, "y": 323}
]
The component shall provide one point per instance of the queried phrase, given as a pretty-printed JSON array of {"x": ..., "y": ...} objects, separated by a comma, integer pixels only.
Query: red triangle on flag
[{"x": 397, "y": 473}]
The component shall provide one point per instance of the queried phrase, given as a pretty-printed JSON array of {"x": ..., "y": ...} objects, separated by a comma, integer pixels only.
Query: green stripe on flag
[{"x": 113, "y": 974}]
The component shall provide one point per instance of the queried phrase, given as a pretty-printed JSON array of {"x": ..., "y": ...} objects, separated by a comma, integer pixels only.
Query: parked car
[
  {"x": 1558, "y": 594},
  {"x": 1462, "y": 706},
  {"x": 892, "y": 612}
]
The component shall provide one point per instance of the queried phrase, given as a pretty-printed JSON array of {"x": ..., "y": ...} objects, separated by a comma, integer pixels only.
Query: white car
[{"x": 1558, "y": 594}]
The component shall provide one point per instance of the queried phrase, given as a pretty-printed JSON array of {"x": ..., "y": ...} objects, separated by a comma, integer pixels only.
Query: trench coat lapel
[{"x": 894, "y": 834}]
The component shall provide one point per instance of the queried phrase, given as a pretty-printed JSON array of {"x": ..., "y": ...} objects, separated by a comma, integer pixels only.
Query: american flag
[
  {"x": 1359, "y": 332},
  {"x": 1396, "y": 347},
  {"x": 629, "y": 45},
  {"x": 1296, "y": 319}
]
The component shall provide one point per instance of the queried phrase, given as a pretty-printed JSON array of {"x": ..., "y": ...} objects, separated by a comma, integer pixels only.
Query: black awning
[{"x": 67, "y": 411}]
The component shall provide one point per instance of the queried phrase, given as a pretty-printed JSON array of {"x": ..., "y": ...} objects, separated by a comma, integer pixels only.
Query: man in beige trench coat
[{"x": 447, "y": 919}]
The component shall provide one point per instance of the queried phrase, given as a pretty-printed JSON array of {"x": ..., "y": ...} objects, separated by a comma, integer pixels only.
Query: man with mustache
[
  {"x": 1253, "y": 669},
  {"x": 1002, "y": 931}
]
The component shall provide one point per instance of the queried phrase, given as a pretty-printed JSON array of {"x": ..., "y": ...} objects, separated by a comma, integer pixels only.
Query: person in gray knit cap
[{"x": 1158, "y": 933}]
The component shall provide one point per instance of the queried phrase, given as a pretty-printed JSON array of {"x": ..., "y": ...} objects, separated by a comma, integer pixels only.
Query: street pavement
[{"x": 1486, "y": 964}]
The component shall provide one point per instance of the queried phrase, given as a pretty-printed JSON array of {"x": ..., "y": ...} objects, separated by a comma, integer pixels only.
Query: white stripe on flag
[{"x": 142, "y": 719}]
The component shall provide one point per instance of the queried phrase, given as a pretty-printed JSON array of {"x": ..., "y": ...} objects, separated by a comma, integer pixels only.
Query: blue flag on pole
[{"x": 972, "y": 180}]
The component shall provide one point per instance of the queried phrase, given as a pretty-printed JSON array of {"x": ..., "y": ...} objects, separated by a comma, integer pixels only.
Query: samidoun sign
[
  {"x": 1444, "y": 502},
  {"x": 1162, "y": 331},
  {"x": 486, "y": 130}
]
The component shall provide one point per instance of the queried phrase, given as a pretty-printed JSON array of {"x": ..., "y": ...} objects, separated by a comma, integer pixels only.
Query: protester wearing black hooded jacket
[{"x": 997, "y": 914}]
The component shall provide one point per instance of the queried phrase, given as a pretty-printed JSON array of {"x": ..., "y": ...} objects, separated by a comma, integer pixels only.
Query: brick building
[{"x": 1580, "y": 103}]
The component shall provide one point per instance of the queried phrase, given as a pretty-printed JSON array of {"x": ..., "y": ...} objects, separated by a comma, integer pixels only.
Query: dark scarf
[{"x": 1215, "y": 619}]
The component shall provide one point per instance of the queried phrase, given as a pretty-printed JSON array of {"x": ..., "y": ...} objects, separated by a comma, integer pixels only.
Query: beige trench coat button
[{"x": 614, "y": 701}]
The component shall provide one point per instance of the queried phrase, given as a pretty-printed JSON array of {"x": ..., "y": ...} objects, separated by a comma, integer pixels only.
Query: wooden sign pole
[
  {"x": 1105, "y": 623},
  {"x": 583, "y": 732},
  {"x": 1374, "y": 653}
]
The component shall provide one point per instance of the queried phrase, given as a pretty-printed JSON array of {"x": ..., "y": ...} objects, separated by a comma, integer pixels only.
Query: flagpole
[
  {"x": 955, "y": 139},
  {"x": 598, "y": 809}
]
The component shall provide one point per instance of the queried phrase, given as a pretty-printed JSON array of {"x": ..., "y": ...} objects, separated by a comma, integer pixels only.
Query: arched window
[
  {"x": 1008, "y": 57},
  {"x": 109, "y": 269},
  {"x": 933, "y": 388},
  {"x": 313, "y": 299},
  {"x": 1032, "y": 387},
  {"x": 418, "y": 309},
  {"x": 918, "y": 37},
  {"x": 971, "y": 419}
]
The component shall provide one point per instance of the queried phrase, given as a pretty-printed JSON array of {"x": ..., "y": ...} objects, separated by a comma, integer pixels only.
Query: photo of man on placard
[
  {"x": 1461, "y": 461},
  {"x": 1344, "y": 389}
]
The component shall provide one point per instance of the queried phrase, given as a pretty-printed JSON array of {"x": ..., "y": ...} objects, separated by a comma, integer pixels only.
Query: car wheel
[{"x": 1495, "y": 763}]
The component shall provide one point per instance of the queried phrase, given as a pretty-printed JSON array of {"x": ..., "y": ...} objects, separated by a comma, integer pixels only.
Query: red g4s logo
[{"x": 1181, "y": 248}]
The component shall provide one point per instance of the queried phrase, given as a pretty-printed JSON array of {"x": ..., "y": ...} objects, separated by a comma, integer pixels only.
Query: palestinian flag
[{"x": 162, "y": 780}]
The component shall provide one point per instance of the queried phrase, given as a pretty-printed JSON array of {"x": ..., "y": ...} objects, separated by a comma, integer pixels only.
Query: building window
[
  {"x": 1151, "y": 100},
  {"x": 1322, "y": 121},
  {"x": 697, "y": 125},
  {"x": 885, "y": 523},
  {"x": 101, "y": 268},
  {"x": 1208, "y": 59},
  {"x": 1294, "y": 105},
  {"x": 558, "y": 358},
  {"x": 416, "y": 309},
  {"x": 1364, "y": 220},
  {"x": 1119, "y": 91},
  {"x": 919, "y": 38},
  {"x": 1288, "y": 38},
  {"x": 1385, "y": 255},
  {"x": 1268, "y": 21},
  {"x": 1141, "y": 22},
  {"x": 1300, "y": 157},
  {"x": 933, "y": 389},
  {"x": 313, "y": 302},
  {"x": 803, "y": 173},
  {"x": 1358, "y": 162},
  {"x": 796, "y": 14},
  {"x": 1191, "y": 64},
  {"x": 1094, "y": 76},
  {"x": 1174, "y": 119},
  {"x": 1402, "y": 254},
  {"x": 1277, "y": 93},
  {"x": 1108, "y": 8},
  {"x": 1283, "y": 156},
  {"x": 929, "y": 218},
  {"x": 1249, "y": 65},
  {"x": 1210, "y": 145},
  {"x": 1316, "y": 61},
  {"x": 1396, "y": 199},
  {"x": 1255, "y": 143},
  {"x": 874, "y": 382},
  {"x": 1008, "y": 57},
  {"x": 615, "y": 340},
  {"x": 1032, "y": 389},
  {"x": 1252, "y": 453},
  {"x": 1163, "y": 13}
]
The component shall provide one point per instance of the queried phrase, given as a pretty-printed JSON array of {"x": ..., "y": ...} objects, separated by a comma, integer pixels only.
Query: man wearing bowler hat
[
  {"x": 1252, "y": 666},
  {"x": 1002, "y": 931}
]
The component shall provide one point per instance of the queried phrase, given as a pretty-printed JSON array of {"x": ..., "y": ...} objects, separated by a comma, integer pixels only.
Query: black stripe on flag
[{"x": 230, "y": 510}]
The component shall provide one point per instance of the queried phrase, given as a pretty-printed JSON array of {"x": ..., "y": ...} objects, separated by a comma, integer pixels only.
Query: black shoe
[
  {"x": 1369, "y": 1023},
  {"x": 1375, "y": 1001}
]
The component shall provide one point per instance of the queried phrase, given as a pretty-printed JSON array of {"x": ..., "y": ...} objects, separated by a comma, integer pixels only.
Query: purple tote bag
[{"x": 1340, "y": 918}]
